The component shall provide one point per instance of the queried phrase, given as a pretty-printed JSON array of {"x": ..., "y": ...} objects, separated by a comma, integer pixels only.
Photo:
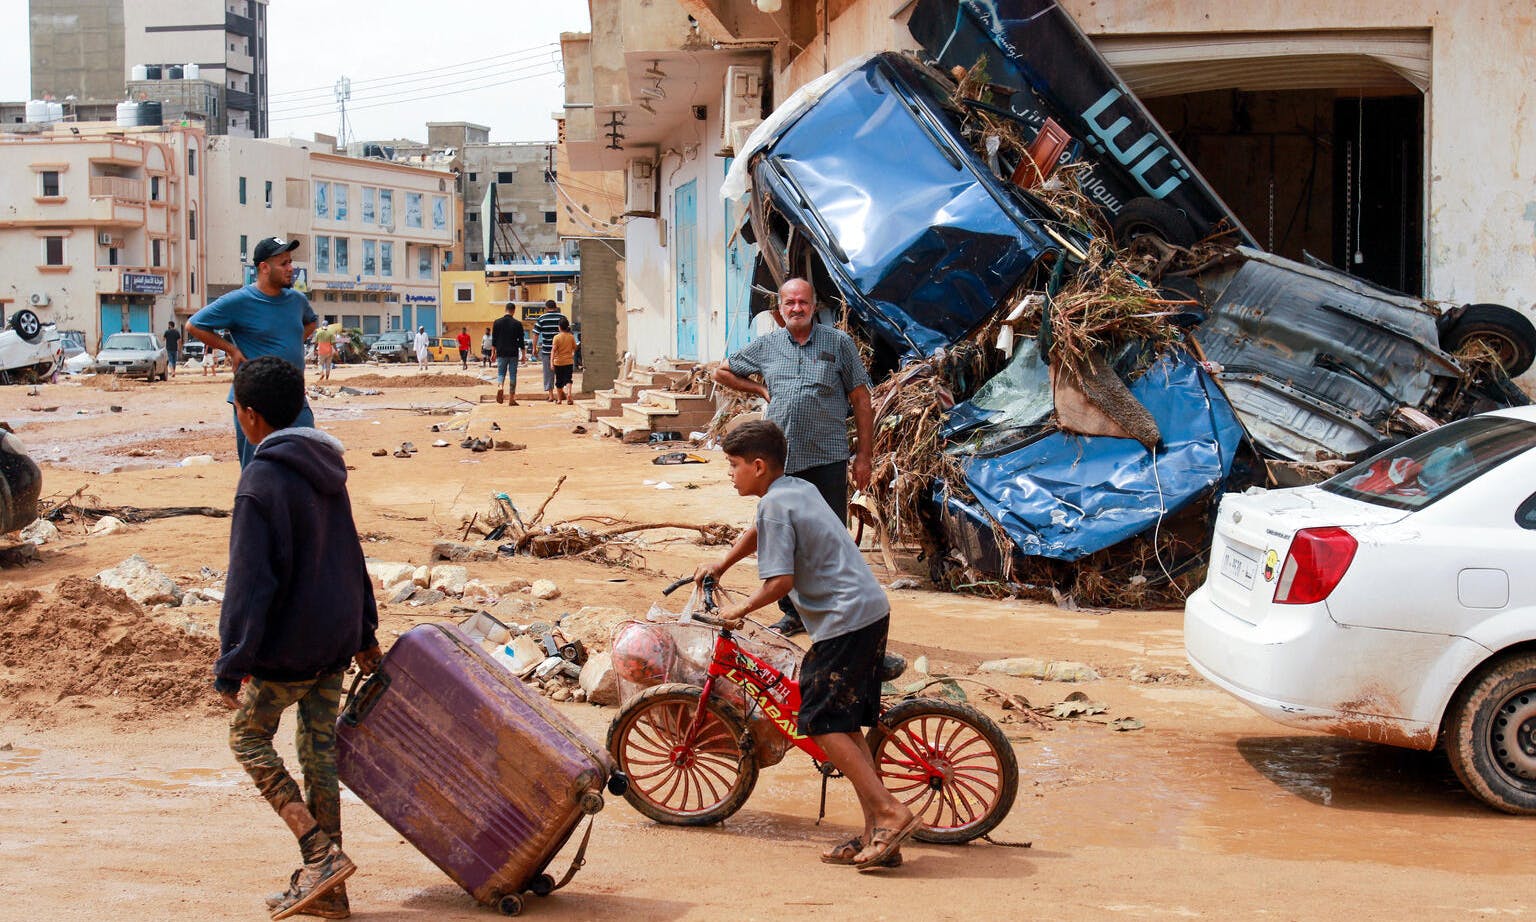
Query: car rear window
[{"x": 1436, "y": 464}]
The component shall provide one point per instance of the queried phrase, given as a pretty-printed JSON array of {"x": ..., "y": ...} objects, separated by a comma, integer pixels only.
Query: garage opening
[{"x": 1314, "y": 140}]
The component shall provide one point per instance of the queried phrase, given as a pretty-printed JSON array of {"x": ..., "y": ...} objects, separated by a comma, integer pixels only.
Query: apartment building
[
  {"x": 373, "y": 234},
  {"x": 106, "y": 229}
]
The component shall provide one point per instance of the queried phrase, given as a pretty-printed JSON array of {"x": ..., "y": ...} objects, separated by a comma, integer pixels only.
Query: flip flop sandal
[
  {"x": 407, "y": 446},
  {"x": 402, "y": 453},
  {"x": 847, "y": 851},
  {"x": 380, "y": 452},
  {"x": 887, "y": 842}
]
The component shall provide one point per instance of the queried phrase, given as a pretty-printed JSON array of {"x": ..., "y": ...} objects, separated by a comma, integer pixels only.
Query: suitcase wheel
[
  {"x": 543, "y": 885},
  {"x": 591, "y": 802},
  {"x": 618, "y": 783},
  {"x": 510, "y": 905}
]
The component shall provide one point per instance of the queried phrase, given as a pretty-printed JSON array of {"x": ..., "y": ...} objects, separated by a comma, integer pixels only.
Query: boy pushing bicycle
[{"x": 805, "y": 552}]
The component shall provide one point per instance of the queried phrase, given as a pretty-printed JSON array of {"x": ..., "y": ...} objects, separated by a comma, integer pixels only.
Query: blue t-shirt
[{"x": 259, "y": 325}]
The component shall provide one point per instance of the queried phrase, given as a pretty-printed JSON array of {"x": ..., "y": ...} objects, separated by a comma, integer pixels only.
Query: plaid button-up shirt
[{"x": 808, "y": 388}]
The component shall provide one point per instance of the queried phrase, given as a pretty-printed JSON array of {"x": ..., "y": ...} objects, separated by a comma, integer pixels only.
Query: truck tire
[
  {"x": 1507, "y": 332},
  {"x": 1146, "y": 217},
  {"x": 27, "y": 326}
]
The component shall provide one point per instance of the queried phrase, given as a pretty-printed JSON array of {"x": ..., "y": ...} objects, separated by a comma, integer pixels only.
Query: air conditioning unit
[
  {"x": 742, "y": 110},
  {"x": 107, "y": 240},
  {"x": 640, "y": 188},
  {"x": 39, "y": 299}
]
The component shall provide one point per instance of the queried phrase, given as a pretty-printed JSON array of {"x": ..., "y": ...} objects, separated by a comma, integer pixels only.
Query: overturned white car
[{"x": 30, "y": 351}]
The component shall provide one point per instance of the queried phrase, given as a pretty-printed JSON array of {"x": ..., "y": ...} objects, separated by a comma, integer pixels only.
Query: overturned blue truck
[{"x": 882, "y": 183}]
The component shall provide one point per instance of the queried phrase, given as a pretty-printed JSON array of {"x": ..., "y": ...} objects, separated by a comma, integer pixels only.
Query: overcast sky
[{"x": 409, "y": 63}]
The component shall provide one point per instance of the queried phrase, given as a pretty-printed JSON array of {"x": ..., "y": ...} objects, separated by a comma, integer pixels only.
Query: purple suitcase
[{"x": 469, "y": 765}]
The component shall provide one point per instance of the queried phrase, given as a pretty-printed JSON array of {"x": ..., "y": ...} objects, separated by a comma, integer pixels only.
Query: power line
[
  {"x": 447, "y": 85},
  {"x": 555, "y": 72},
  {"x": 321, "y": 90},
  {"x": 496, "y": 79}
]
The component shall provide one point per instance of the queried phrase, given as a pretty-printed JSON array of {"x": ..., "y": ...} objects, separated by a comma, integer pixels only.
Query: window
[
  {"x": 323, "y": 254},
  {"x": 155, "y": 258},
  {"x": 387, "y": 207},
  {"x": 549, "y": 217},
  {"x": 474, "y": 177},
  {"x": 369, "y": 196},
  {"x": 50, "y": 180},
  {"x": 474, "y": 217},
  {"x": 192, "y": 281},
  {"x": 191, "y": 161},
  {"x": 191, "y": 225},
  {"x": 322, "y": 199},
  {"x": 339, "y": 198},
  {"x": 463, "y": 294},
  {"x": 439, "y": 212},
  {"x": 1424, "y": 469},
  {"x": 413, "y": 209},
  {"x": 474, "y": 258},
  {"x": 386, "y": 258},
  {"x": 154, "y": 188},
  {"x": 112, "y": 256},
  {"x": 269, "y": 193},
  {"x": 506, "y": 217},
  {"x": 242, "y": 246},
  {"x": 342, "y": 245},
  {"x": 504, "y": 176},
  {"x": 242, "y": 190},
  {"x": 424, "y": 262},
  {"x": 370, "y": 261}
]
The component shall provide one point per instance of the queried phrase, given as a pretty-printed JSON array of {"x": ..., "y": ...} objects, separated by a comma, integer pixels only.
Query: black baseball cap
[{"x": 268, "y": 247}]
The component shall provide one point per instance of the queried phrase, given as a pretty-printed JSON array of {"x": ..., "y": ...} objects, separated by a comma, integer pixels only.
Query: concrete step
[
  {"x": 616, "y": 427},
  {"x": 659, "y": 418},
  {"x": 679, "y": 402}
]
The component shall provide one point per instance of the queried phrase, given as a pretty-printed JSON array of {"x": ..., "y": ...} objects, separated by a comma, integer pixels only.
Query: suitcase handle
[{"x": 359, "y": 703}]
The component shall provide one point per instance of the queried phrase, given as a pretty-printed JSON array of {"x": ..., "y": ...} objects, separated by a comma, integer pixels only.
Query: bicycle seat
[{"x": 892, "y": 667}]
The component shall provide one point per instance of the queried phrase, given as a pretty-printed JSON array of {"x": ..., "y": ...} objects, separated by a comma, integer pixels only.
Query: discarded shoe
[
  {"x": 435, "y": 428},
  {"x": 314, "y": 880},
  {"x": 495, "y": 426},
  {"x": 481, "y": 445},
  {"x": 467, "y": 443},
  {"x": 408, "y": 446},
  {"x": 679, "y": 457},
  {"x": 380, "y": 452},
  {"x": 504, "y": 445},
  {"x": 402, "y": 453},
  {"x": 579, "y": 430}
]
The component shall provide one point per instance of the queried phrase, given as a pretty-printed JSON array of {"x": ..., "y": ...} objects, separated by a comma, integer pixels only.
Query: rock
[
  {"x": 578, "y": 696},
  {"x": 402, "y": 592},
  {"x": 599, "y": 681},
  {"x": 143, "y": 583},
  {"x": 1031, "y": 668},
  {"x": 196, "y": 460},
  {"x": 449, "y": 579},
  {"x": 108, "y": 525},
  {"x": 40, "y": 532},
  {"x": 386, "y": 573},
  {"x": 516, "y": 584},
  {"x": 561, "y": 693},
  {"x": 477, "y": 590},
  {"x": 593, "y": 625},
  {"x": 200, "y": 597},
  {"x": 427, "y": 596},
  {"x": 453, "y": 550},
  {"x": 906, "y": 582},
  {"x": 212, "y": 595},
  {"x": 545, "y": 589},
  {"x": 422, "y": 576}
]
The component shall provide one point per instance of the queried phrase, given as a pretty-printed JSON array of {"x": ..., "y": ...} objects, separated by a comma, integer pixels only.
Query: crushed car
[
  {"x": 30, "y": 350},
  {"x": 21, "y": 483},
  {"x": 1094, "y": 396}
]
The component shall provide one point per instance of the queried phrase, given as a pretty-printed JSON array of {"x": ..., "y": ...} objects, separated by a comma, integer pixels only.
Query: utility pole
[{"x": 343, "y": 93}]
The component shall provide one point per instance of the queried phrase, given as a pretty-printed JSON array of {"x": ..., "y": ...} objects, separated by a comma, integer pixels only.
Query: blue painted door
[
  {"x": 685, "y": 229},
  {"x": 405, "y": 318},
  {"x": 138, "y": 318},
  {"x": 111, "y": 320},
  {"x": 739, "y": 258},
  {"x": 427, "y": 317}
]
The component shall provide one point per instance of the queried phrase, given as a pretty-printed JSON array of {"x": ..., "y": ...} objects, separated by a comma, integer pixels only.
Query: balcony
[
  {"x": 239, "y": 100},
  {"x": 240, "y": 25},
  {"x": 117, "y": 187}
]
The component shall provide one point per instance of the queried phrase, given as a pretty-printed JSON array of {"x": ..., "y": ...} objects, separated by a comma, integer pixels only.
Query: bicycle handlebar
[
  {"x": 677, "y": 585},
  {"x": 709, "y": 584}
]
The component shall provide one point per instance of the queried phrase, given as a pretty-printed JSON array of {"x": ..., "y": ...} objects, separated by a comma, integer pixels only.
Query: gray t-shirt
[{"x": 798, "y": 533}]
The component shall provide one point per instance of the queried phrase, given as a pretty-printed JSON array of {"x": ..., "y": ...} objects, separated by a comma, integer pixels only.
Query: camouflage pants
[{"x": 255, "y": 724}]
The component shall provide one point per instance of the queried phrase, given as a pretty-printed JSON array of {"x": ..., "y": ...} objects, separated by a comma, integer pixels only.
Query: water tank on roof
[
  {"x": 127, "y": 114},
  {"x": 149, "y": 113},
  {"x": 152, "y": 72},
  {"x": 173, "y": 72},
  {"x": 55, "y": 112},
  {"x": 37, "y": 110},
  {"x": 140, "y": 72},
  {"x": 190, "y": 72}
]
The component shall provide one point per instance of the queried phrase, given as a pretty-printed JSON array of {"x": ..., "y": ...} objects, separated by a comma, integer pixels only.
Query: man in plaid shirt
[{"x": 812, "y": 379}]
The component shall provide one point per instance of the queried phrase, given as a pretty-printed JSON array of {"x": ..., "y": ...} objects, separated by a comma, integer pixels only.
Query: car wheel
[
  {"x": 26, "y": 325},
  {"x": 1506, "y": 332},
  {"x": 1490, "y": 734},
  {"x": 1145, "y": 217}
]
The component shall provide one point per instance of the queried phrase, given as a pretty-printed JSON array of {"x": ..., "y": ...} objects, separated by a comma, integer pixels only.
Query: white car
[
  {"x": 30, "y": 350},
  {"x": 1395, "y": 602},
  {"x": 134, "y": 354}
]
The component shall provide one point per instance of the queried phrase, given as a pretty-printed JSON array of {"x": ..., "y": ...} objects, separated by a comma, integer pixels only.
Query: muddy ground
[{"x": 119, "y": 798}]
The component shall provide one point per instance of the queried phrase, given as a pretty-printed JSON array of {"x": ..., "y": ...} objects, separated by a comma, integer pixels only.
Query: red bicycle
[{"x": 690, "y": 755}]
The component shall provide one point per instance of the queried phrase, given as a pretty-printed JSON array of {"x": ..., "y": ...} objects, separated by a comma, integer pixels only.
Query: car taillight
[{"x": 1316, "y": 562}]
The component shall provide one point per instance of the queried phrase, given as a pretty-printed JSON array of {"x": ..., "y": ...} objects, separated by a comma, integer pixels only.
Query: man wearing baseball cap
[{"x": 264, "y": 318}]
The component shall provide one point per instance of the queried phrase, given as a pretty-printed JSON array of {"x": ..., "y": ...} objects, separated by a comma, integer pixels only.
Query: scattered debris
[
  {"x": 108, "y": 525},
  {"x": 141, "y": 581},
  {"x": 544, "y": 589},
  {"x": 1031, "y": 668}
]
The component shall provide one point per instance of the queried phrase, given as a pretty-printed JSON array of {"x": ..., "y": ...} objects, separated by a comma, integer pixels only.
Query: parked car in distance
[
  {"x": 394, "y": 346},
  {"x": 443, "y": 349},
  {"x": 76, "y": 358},
  {"x": 1394, "y": 602},
  {"x": 134, "y": 354}
]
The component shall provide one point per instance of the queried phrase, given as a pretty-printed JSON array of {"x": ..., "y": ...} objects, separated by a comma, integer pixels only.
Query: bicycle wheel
[
  {"x": 695, "y": 785},
  {"x": 975, "y": 775}
]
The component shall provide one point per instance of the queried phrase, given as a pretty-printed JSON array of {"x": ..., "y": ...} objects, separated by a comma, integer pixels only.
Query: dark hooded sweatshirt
[{"x": 298, "y": 601}]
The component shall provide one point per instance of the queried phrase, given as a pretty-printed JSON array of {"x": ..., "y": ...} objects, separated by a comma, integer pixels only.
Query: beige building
[
  {"x": 103, "y": 228},
  {"x": 1386, "y": 138},
  {"x": 373, "y": 234}
]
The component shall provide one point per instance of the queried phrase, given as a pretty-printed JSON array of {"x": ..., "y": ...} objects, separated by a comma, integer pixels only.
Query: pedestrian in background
[
  {"x": 507, "y": 345},
  {"x": 562, "y": 357},
  {"x": 544, "y": 330},
  {"x": 464, "y": 344},
  {"x": 420, "y": 343},
  {"x": 485, "y": 348},
  {"x": 172, "y": 345}
]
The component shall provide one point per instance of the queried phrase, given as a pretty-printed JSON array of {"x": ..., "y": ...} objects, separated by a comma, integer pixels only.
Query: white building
[
  {"x": 373, "y": 234},
  {"x": 103, "y": 228}
]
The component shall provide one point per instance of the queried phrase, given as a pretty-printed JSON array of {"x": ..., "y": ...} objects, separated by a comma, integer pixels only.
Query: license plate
[{"x": 1239, "y": 569}]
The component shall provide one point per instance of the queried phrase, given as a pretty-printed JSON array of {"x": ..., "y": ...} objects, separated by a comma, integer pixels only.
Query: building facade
[
  {"x": 1384, "y": 138},
  {"x": 373, "y": 234},
  {"x": 106, "y": 229},
  {"x": 114, "y": 49}
]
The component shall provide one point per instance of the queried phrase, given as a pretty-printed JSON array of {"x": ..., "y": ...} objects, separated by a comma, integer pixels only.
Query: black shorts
[
  {"x": 840, "y": 681},
  {"x": 563, "y": 375}
]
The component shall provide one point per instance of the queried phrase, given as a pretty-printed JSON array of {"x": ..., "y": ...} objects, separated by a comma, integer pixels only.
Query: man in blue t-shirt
[{"x": 265, "y": 318}]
